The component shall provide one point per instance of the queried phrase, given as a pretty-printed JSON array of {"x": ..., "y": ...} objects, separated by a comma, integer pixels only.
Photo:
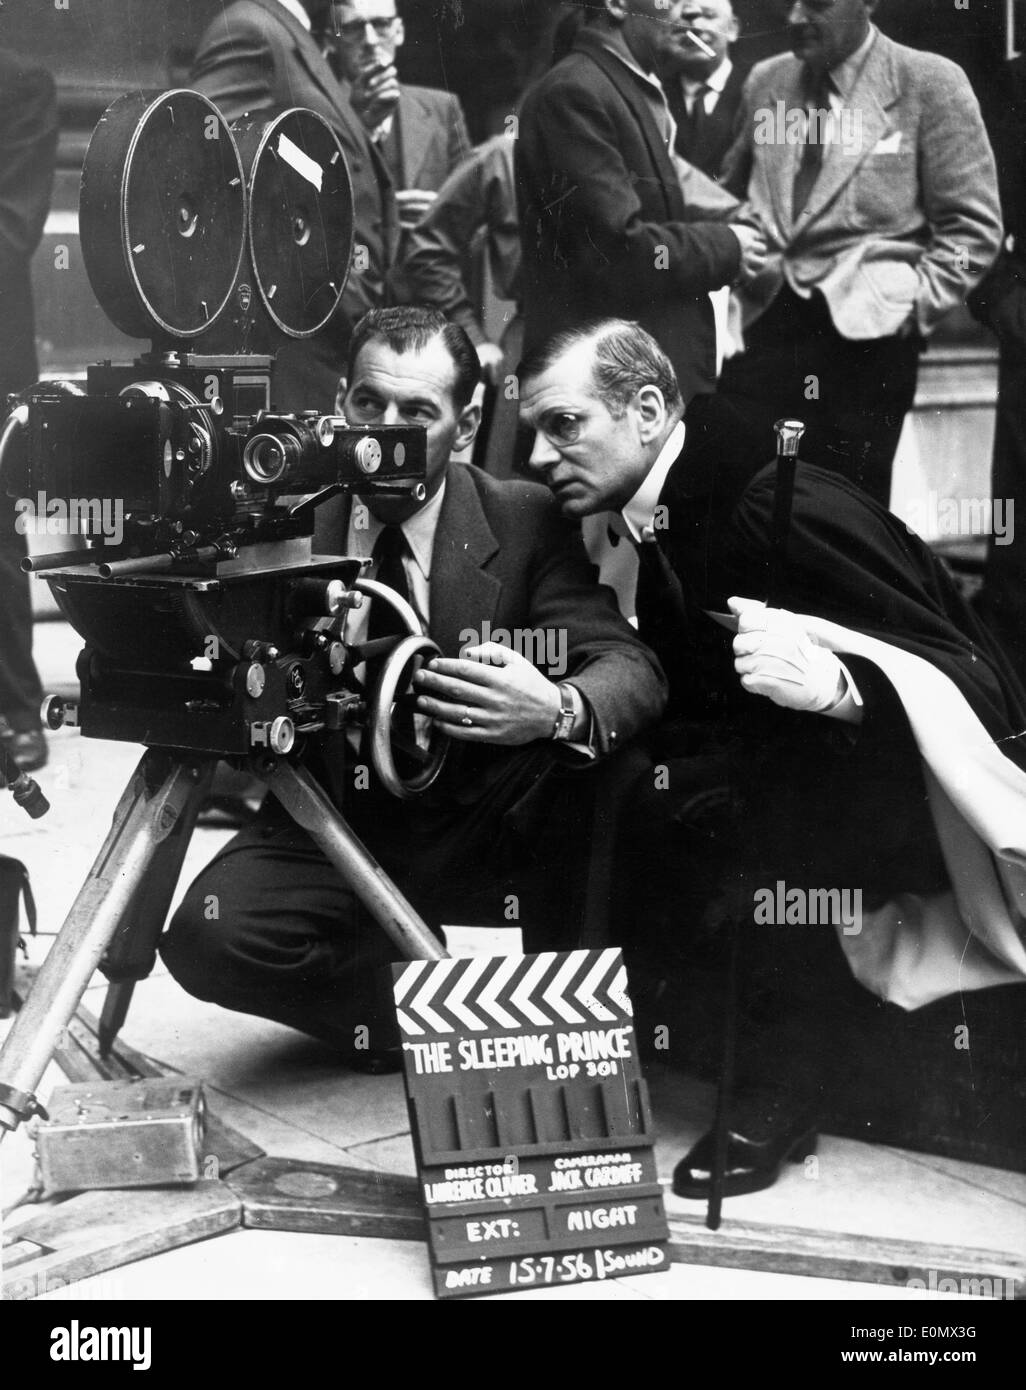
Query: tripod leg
[
  {"x": 310, "y": 808},
  {"x": 133, "y": 950},
  {"x": 147, "y": 812}
]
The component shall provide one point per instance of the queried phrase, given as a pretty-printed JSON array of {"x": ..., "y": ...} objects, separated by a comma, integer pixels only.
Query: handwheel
[
  {"x": 383, "y": 699},
  {"x": 406, "y": 656}
]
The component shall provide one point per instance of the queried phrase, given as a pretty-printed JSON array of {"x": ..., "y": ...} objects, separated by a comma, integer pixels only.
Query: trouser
[
  {"x": 852, "y": 394},
  {"x": 270, "y": 928},
  {"x": 20, "y": 690}
]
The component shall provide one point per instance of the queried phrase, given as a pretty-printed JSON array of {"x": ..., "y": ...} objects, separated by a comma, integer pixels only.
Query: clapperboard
[{"x": 531, "y": 1121}]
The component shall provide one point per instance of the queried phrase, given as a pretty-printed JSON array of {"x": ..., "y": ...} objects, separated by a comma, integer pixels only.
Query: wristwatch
[{"x": 567, "y": 713}]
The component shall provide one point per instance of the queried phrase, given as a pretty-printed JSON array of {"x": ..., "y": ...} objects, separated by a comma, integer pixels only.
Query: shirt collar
[
  {"x": 419, "y": 530},
  {"x": 715, "y": 82},
  {"x": 639, "y": 513},
  {"x": 296, "y": 10},
  {"x": 845, "y": 75}
]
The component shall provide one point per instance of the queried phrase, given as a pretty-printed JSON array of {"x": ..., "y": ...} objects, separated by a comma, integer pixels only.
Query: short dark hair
[
  {"x": 626, "y": 359},
  {"x": 407, "y": 328}
]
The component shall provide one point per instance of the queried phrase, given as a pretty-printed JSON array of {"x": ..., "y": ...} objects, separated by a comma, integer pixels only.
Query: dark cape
[
  {"x": 855, "y": 563},
  {"x": 821, "y": 803}
]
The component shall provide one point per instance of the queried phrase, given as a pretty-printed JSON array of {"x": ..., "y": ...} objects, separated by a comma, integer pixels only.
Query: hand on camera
[
  {"x": 505, "y": 698},
  {"x": 776, "y": 657}
]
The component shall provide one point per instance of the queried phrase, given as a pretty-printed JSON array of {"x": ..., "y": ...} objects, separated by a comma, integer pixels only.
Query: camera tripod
[{"x": 120, "y": 910}]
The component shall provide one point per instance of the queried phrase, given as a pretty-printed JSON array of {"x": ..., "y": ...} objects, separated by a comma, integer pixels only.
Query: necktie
[
  {"x": 690, "y": 124},
  {"x": 818, "y": 87},
  {"x": 390, "y": 147},
  {"x": 389, "y": 549}
]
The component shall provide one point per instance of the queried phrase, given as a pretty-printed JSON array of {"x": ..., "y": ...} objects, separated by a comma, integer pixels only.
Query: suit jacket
[
  {"x": 256, "y": 55},
  {"x": 908, "y": 220},
  {"x": 504, "y": 554},
  {"x": 432, "y": 135},
  {"x": 28, "y": 144},
  {"x": 604, "y": 225},
  {"x": 477, "y": 202},
  {"x": 716, "y": 133}
]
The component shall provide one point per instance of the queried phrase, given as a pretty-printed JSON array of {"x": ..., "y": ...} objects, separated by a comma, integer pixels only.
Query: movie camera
[
  {"x": 212, "y": 630},
  {"x": 210, "y": 624}
]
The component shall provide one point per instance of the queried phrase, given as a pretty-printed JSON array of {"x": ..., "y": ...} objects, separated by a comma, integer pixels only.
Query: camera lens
[{"x": 265, "y": 458}]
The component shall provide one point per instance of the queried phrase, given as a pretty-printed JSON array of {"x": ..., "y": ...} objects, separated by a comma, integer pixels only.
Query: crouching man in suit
[
  {"x": 508, "y": 817},
  {"x": 860, "y": 743}
]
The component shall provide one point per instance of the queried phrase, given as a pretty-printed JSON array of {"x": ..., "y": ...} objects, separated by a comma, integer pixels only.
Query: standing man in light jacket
[{"x": 870, "y": 167}]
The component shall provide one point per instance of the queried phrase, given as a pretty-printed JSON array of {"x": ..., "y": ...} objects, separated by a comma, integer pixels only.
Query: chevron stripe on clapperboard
[{"x": 481, "y": 993}]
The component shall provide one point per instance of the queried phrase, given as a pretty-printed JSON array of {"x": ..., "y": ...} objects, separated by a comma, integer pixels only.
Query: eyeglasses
[
  {"x": 354, "y": 31},
  {"x": 561, "y": 427}
]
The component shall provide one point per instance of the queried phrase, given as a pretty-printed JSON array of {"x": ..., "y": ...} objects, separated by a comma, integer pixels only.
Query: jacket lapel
[
  {"x": 627, "y": 85},
  {"x": 787, "y": 96},
  {"x": 461, "y": 591},
  {"x": 415, "y": 135},
  {"x": 873, "y": 94}
]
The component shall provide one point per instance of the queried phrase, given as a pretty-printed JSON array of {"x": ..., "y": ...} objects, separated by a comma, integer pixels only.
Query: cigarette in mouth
[{"x": 700, "y": 43}]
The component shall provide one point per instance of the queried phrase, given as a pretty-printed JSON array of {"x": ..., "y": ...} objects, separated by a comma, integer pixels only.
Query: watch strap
[{"x": 567, "y": 713}]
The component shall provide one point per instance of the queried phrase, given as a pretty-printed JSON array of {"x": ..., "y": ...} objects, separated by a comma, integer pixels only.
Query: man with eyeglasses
[
  {"x": 870, "y": 166},
  {"x": 419, "y": 131},
  {"x": 861, "y": 735},
  {"x": 260, "y": 54}
]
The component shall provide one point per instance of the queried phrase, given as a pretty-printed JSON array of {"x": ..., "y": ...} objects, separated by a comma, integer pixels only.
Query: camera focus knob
[
  {"x": 282, "y": 734},
  {"x": 367, "y": 454}
]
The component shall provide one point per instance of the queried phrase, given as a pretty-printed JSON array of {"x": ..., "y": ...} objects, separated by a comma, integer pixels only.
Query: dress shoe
[
  {"x": 26, "y": 746},
  {"x": 763, "y": 1136}
]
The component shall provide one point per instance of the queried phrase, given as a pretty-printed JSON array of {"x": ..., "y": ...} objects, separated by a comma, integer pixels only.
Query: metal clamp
[{"x": 21, "y": 1104}]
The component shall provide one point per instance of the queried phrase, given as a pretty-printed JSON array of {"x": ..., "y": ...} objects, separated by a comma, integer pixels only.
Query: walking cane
[{"x": 789, "y": 434}]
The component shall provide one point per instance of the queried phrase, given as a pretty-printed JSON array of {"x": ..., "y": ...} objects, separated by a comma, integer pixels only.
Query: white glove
[{"x": 776, "y": 657}]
